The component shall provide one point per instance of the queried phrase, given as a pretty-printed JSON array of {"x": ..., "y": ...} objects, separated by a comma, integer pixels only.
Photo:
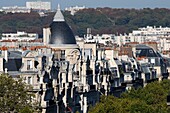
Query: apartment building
[{"x": 70, "y": 75}]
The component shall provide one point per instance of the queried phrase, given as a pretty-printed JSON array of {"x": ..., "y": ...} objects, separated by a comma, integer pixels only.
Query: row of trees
[
  {"x": 109, "y": 20},
  {"x": 101, "y": 20},
  {"x": 150, "y": 99}
]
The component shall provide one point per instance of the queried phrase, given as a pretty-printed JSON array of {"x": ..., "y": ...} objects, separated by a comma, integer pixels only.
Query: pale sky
[{"x": 96, "y": 3}]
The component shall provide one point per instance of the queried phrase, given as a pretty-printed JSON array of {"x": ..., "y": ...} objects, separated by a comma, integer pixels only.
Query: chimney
[
  {"x": 46, "y": 35},
  {"x": 6, "y": 55}
]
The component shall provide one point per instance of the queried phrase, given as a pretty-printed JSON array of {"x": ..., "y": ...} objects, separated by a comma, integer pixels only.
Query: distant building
[
  {"x": 73, "y": 10},
  {"x": 161, "y": 35},
  {"x": 16, "y": 9},
  {"x": 19, "y": 36},
  {"x": 38, "y": 5}
]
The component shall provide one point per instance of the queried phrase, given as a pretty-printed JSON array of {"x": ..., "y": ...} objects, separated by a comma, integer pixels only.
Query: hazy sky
[{"x": 97, "y": 3}]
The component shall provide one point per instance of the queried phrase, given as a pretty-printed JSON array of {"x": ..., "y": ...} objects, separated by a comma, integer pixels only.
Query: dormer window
[
  {"x": 150, "y": 51},
  {"x": 29, "y": 65}
]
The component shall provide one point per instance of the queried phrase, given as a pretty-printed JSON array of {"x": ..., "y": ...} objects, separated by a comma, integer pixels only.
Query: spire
[
  {"x": 58, "y": 16},
  {"x": 58, "y": 8}
]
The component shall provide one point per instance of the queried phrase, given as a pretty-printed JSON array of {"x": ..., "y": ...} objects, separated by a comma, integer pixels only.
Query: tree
[
  {"x": 112, "y": 104},
  {"x": 14, "y": 95},
  {"x": 150, "y": 99}
]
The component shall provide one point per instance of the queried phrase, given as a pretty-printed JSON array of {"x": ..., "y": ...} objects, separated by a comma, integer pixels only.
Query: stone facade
[{"x": 71, "y": 77}]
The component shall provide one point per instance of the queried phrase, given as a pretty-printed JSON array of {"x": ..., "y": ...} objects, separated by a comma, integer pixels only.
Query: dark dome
[{"x": 61, "y": 33}]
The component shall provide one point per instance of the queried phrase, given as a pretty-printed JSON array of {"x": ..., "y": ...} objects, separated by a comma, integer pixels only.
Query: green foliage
[
  {"x": 77, "y": 112},
  {"x": 111, "y": 104},
  {"x": 150, "y": 99},
  {"x": 14, "y": 95},
  {"x": 26, "y": 110},
  {"x": 101, "y": 20}
]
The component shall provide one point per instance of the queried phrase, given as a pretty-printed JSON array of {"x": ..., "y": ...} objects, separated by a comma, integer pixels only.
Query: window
[
  {"x": 63, "y": 84},
  {"x": 29, "y": 65},
  {"x": 63, "y": 55},
  {"x": 29, "y": 80},
  {"x": 150, "y": 51},
  {"x": 88, "y": 53},
  {"x": 138, "y": 51}
]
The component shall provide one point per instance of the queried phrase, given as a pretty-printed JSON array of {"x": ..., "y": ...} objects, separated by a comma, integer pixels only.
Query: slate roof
[
  {"x": 145, "y": 51},
  {"x": 14, "y": 62},
  {"x": 14, "y": 54},
  {"x": 61, "y": 33}
]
